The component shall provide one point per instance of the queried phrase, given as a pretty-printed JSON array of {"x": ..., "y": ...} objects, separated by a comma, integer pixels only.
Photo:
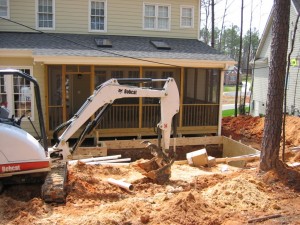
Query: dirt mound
[
  {"x": 239, "y": 193},
  {"x": 187, "y": 208},
  {"x": 250, "y": 129},
  {"x": 89, "y": 182}
]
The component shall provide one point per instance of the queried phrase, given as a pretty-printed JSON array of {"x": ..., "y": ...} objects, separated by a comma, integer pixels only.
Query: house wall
[
  {"x": 260, "y": 77},
  {"x": 38, "y": 73},
  {"x": 259, "y": 97},
  {"x": 124, "y": 18},
  {"x": 293, "y": 82},
  {"x": 293, "y": 91}
]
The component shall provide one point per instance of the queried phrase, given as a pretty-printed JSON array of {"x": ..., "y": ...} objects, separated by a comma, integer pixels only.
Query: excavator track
[{"x": 54, "y": 187}]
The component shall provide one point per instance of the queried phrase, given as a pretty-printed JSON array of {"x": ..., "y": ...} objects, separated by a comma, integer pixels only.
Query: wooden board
[
  {"x": 132, "y": 144},
  {"x": 87, "y": 152}
]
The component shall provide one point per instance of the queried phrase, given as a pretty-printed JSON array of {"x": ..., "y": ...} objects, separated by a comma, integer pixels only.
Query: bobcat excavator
[{"x": 24, "y": 159}]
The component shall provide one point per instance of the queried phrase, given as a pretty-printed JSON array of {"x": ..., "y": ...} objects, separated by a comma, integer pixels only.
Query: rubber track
[{"x": 54, "y": 187}]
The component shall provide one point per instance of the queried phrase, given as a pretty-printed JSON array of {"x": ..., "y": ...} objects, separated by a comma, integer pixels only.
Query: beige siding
[
  {"x": 124, "y": 18},
  {"x": 38, "y": 73}
]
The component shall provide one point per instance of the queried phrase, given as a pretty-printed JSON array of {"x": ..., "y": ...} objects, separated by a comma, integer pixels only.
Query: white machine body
[{"x": 20, "y": 152}]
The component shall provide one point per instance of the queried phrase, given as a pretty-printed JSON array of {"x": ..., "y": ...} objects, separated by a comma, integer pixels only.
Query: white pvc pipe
[
  {"x": 109, "y": 161},
  {"x": 120, "y": 183},
  {"x": 71, "y": 162}
]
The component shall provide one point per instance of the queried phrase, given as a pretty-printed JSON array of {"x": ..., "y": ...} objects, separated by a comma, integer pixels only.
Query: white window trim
[
  {"x": 8, "y": 10},
  {"x": 10, "y": 91},
  {"x": 37, "y": 18},
  {"x": 156, "y": 16},
  {"x": 105, "y": 17},
  {"x": 193, "y": 15}
]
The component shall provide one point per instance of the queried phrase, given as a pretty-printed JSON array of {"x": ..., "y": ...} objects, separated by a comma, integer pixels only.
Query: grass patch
[
  {"x": 229, "y": 88},
  {"x": 230, "y": 112}
]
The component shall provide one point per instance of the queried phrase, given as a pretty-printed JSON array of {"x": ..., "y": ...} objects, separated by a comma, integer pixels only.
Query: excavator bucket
[{"x": 158, "y": 168}]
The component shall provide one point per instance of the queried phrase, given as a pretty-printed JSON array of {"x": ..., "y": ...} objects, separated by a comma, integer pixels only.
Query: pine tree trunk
[{"x": 274, "y": 111}]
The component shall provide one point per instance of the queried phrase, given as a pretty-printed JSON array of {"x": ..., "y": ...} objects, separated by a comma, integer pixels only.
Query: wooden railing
[
  {"x": 121, "y": 116},
  {"x": 200, "y": 115},
  {"x": 128, "y": 116}
]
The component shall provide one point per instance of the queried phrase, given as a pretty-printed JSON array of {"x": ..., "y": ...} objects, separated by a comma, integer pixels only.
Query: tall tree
[
  {"x": 205, "y": 5},
  {"x": 239, "y": 62},
  {"x": 269, "y": 158},
  {"x": 222, "y": 27},
  {"x": 213, "y": 23}
]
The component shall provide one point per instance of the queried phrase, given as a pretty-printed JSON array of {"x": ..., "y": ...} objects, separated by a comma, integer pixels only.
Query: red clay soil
[
  {"x": 250, "y": 129},
  {"x": 216, "y": 195}
]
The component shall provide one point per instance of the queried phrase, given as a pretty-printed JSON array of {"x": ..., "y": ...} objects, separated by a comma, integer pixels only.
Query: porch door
[{"x": 77, "y": 91}]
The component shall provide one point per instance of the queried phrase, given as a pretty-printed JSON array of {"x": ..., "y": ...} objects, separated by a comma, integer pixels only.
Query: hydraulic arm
[{"x": 105, "y": 94}]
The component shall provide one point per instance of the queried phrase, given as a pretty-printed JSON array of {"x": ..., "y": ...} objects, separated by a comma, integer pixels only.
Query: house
[
  {"x": 72, "y": 47},
  {"x": 231, "y": 75},
  {"x": 261, "y": 67}
]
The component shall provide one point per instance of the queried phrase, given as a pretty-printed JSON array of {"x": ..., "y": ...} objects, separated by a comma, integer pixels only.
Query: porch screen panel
[
  {"x": 55, "y": 108},
  {"x": 124, "y": 112},
  {"x": 151, "y": 108},
  {"x": 201, "y": 97}
]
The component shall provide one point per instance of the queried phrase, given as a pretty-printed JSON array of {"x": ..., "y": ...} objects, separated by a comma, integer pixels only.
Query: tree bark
[
  {"x": 239, "y": 63},
  {"x": 269, "y": 158}
]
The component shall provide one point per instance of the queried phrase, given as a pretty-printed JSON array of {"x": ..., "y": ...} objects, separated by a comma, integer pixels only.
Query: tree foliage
[{"x": 229, "y": 43}]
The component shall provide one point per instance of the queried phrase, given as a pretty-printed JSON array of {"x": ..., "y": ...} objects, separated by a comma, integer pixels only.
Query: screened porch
[{"x": 199, "y": 89}]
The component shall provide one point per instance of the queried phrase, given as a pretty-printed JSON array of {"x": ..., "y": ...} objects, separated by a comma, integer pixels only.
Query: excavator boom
[{"x": 113, "y": 89}]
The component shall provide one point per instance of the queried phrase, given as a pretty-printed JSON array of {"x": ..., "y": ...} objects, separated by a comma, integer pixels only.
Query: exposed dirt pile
[
  {"x": 250, "y": 129},
  {"x": 192, "y": 196},
  {"x": 241, "y": 193},
  {"x": 203, "y": 197}
]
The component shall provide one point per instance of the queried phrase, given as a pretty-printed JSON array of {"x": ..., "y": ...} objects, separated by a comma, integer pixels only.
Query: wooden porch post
[
  {"x": 141, "y": 102},
  {"x": 63, "y": 81},
  {"x": 221, "y": 100},
  {"x": 46, "y": 84},
  {"x": 181, "y": 96}
]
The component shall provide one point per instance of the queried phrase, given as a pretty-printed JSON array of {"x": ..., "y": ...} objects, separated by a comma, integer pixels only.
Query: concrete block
[
  {"x": 197, "y": 158},
  {"x": 211, "y": 161}
]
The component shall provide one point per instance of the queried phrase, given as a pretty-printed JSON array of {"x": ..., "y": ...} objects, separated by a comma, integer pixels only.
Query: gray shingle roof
[
  {"x": 297, "y": 5},
  {"x": 84, "y": 45}
]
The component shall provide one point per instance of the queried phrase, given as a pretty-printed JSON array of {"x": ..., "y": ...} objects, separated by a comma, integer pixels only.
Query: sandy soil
[{"x": 216, "y": 195}]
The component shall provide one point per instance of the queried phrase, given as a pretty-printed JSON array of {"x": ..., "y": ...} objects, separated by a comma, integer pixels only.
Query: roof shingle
[{"x": 84, "y": 45}]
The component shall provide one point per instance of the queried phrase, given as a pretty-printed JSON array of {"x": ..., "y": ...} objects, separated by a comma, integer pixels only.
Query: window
[
  {"x": 45, "y": 14},
  {"x": 97, "y": 16},
  {"x": 187, "y": 16},
  {"x": 17, "y": 95},
  {"x": 4, "y": 8},
  {"x": 157, "y": 17}
]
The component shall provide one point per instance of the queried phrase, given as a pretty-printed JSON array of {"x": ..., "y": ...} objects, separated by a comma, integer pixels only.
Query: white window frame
[
  {"x": 7, "y": 10},
  {"x": 156, "y": 5},
  {"x": 105, "y": 16},
  {"x": 37, "y": 16},
  {"x": 9, "y": 87},
  {"x": 181, "y": 15}
]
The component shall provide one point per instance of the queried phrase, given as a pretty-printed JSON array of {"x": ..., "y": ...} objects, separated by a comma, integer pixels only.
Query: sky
[{"x": 261, "y": 11}]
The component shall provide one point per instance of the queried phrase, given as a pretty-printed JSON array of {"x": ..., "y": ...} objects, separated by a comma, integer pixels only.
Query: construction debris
[{"x": 120, "y": 183}]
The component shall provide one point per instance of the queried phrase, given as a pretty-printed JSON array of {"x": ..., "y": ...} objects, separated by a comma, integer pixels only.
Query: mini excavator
[{"x": 25, "y": 159}]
